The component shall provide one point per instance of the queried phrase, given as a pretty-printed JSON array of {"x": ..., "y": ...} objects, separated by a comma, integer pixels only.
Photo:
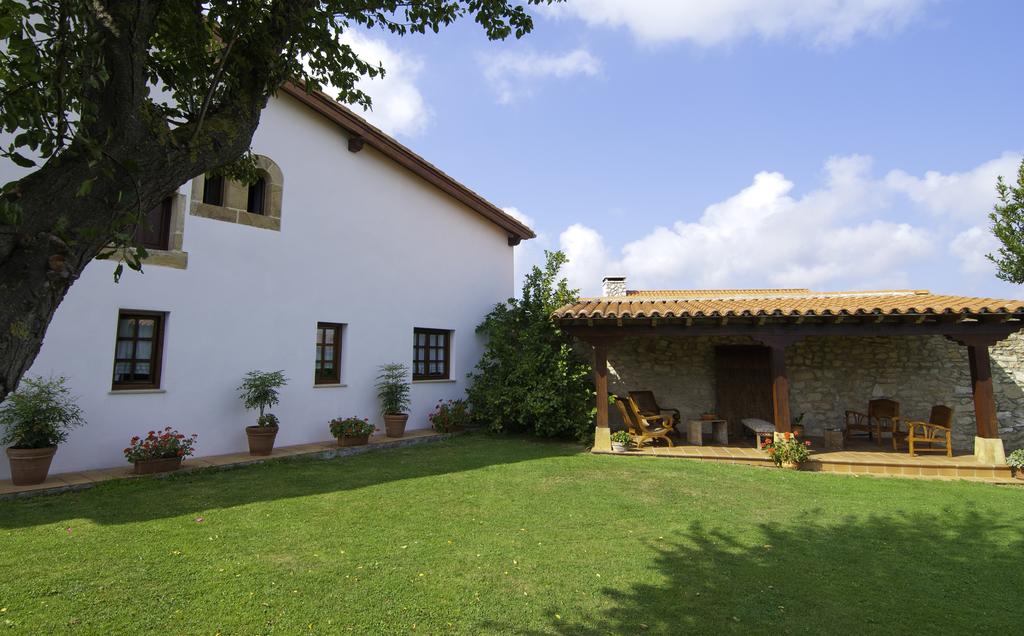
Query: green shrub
[
  {"x": 1016, "y": 459},
  {"x": 450, "y": 416},
  {"x": 351, "y": 427},
  {"x": 621, "y": 437},
  {"x": 529, "y": 378},
  {"x": 393, "y": 389},
  {"x": 259, "y": 390},
  {"x": 39, "y": 414}
]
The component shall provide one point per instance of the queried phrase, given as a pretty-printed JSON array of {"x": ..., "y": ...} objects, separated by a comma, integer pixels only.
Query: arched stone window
[{"x": 257, "y": 204}]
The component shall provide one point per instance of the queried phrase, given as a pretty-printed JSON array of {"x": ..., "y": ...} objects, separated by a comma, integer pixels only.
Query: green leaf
[
  {"x": 85, "y": 188},
  {"x": 24, "y": 162}
]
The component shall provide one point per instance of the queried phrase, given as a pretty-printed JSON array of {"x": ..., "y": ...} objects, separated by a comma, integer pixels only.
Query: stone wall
[{"x": 831, "y": 374}]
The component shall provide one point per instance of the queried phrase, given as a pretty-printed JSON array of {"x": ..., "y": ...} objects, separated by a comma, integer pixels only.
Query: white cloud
[
  {"x": 958, "y": 194},
  {"x": 512, "y": 74},
  {"x": 824, "y": 23},
  {"x": 971, "y": 246},
  {"x": 398, "y": 105},
  {"x": 846, "y": 234}
]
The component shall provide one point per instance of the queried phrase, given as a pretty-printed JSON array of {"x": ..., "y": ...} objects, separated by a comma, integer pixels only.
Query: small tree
[
  {"x": 259, "y": 390},
  {"x": 393, "y": 389},
  {"x": 530, "y": 379},
  {"x": 39, "y": 414},
  {"x": 1008, "y": 225}
]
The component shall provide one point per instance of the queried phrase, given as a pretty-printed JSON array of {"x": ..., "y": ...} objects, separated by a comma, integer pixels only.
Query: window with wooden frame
[
  {"x": 154, "y": 231},
  {"x": 328, "y": 353},
  {"x": 213, "y": 190},
  {"x": 138, "y": 350},
  {"x": 431, "y": 354}
]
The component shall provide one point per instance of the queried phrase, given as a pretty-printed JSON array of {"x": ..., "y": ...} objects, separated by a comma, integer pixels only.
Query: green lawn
[{"x": 484, "y": 535}]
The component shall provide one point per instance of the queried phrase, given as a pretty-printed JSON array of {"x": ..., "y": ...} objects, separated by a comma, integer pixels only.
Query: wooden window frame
[
  {"x": 156, "y": 358},
  {"x": 321, "y": 345},
  {"x": 425, "y": 349},
  {"x": 163, "y": 227},
  {"x": 208, "y": 194}
]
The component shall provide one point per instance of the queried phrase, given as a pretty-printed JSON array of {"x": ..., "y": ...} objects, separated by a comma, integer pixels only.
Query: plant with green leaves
[
  {"x": 621, "y": 437},
  {"x": 1008, "y": 226},
  {"x": 1016, "y": 460},
  {"x": 530, "y": 378},
  {"x": 393, "y": 389},
  {"x": 39, "y": 414},
  {"x": 351, "y": 427},
  {"x": 260, "y": 390},
  {"x": 111, "y": 106}
]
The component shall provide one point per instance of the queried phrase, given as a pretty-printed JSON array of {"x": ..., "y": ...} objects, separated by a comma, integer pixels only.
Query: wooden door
[{"x": 743, "y": 385}]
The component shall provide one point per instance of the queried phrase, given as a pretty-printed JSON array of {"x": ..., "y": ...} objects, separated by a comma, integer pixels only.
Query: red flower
[
  {"x": 787, "y": 435},
  {"x": 808, "y": 442}
]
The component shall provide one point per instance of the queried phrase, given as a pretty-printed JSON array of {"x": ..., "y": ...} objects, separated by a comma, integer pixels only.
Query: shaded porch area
[{"x": 775, "y": 354}]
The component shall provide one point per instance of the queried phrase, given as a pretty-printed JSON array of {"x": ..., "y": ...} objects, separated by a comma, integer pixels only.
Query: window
[
  {"x": 154, "y": 231},
  {"x": 138, "y": 349},
  {"x": 328, "y": 353},
  {"x": 257, "y": 197},
  {"x": 213, "y": 190},
  {"x": 431, "y": 353}
]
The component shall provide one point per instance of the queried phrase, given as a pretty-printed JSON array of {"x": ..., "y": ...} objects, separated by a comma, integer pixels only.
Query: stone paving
[{"x": 61, "y": 482}]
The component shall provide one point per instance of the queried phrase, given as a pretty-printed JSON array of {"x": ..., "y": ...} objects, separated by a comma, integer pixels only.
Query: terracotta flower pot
[
  {"x": 261, "y": 439},
  {"x": 354, "y": 441},
  {"x": 30, "y": 466},
  {"x": 1018, "y": 473},
  {"x": 791, "y": 465},
  {"x": 394, "y": 424},
  {"x": 159, "y": 465},
  {"x": 707, "y": 417}
]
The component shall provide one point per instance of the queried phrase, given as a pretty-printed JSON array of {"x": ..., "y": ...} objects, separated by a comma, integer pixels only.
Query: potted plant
[
  {"x": 352, "y": 431},
  {"x": 1016, "y": 462},
  {"x": 789, "y": 451},
  {"x": 621, "y": 441},
  {"x": 393, "y": 393},
  {"x": 449, "y": 416},
  {"x": 159, "y": 452},
  {"x": 35, "y": 419},
  {"x": 709, "y": 415},
  {"x": 259, "y": 390}
]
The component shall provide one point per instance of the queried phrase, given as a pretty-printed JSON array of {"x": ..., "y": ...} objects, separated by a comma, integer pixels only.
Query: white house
[{"x": 351, "y": 241}]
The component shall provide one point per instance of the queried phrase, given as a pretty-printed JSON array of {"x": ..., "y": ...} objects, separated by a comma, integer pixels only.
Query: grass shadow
[
  {"x": 948, "y": 572},
  {"x": 136, "y": 500}
]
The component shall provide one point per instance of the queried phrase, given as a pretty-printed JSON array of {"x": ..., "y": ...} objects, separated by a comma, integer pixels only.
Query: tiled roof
[{"x": 780, "y": 302}]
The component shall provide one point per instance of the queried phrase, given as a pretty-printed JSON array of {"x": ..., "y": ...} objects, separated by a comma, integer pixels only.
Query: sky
[{"x": 834, "y": 145}]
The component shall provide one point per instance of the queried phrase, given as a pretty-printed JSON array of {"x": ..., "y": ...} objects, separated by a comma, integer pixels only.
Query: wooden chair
[
  {"x": 880, "y": 418},
  {"x": 644, "y": 428},
  {"x": 937, "y": 430},
  {"x": 649, "y": 406}
]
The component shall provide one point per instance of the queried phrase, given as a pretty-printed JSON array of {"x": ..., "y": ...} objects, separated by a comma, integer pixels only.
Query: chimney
[{"x": 613, "y": 286}]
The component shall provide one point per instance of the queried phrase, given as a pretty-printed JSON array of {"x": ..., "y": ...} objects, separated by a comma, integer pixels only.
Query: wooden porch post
[
  {"x": 780, "y": 381},
  {"x": 981, "y": 388},
  {"x": 602, "y": 434},
  {"x": 601, "y": 383}
]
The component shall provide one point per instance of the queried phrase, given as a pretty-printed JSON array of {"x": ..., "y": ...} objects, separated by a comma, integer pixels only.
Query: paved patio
[
  {"x": 860, "y": 457},
  {"x": 61, "y": 482}
]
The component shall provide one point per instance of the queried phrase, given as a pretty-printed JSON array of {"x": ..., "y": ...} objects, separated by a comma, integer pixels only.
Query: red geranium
[{"x": 169, "y": 443}]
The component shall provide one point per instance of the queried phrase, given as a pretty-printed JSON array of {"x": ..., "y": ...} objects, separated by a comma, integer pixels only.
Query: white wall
[{"x": 350, "y": 250}]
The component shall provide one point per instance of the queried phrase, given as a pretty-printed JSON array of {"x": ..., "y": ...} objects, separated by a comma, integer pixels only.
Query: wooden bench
[{"x": 764, "y": 432}]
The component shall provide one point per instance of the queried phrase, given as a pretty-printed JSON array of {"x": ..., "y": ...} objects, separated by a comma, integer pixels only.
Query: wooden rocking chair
[
  {"x": 644, "y": 428},
  {"x": 880, "y": 418},
  {"x": 649, "y": 406},
  {"x": 937, "y": 430}
]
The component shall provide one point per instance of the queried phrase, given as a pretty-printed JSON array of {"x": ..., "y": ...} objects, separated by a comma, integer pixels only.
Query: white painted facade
[{"x": 351, "y": 250}]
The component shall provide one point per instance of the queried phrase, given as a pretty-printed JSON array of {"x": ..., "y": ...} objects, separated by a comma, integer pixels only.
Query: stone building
[{"x": 838, "y": 351}]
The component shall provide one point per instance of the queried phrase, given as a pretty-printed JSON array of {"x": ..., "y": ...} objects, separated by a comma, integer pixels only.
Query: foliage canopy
[{"x": 530, "y": 378}]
